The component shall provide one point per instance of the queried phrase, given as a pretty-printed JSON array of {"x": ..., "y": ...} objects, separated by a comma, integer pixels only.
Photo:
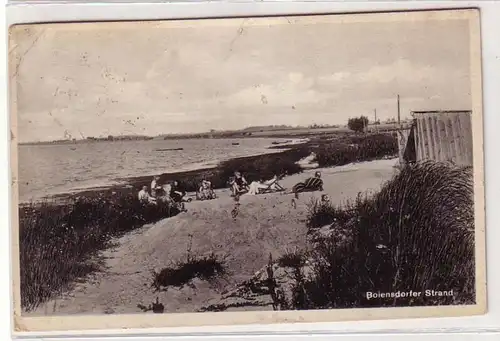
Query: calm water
[{"x": 46, "y": 170}]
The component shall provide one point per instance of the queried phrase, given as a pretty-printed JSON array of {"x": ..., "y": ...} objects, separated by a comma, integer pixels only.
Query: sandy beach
[{"x": 266, "y": 223}]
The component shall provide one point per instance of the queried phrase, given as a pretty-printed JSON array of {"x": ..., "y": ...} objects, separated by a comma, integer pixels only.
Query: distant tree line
[{"x": 119, "y": 138}]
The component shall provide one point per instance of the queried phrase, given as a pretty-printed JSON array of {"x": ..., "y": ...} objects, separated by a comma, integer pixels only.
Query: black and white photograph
[{"x": 181, "y": 172}]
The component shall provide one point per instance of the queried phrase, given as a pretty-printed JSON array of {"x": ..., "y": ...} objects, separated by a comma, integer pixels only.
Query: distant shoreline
[
  {"x": 68, "y": 142},
  {"x": 239, "y": 134}
]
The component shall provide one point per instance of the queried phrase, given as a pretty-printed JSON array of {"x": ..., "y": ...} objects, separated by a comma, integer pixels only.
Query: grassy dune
[{"x": 417, "y": 234}]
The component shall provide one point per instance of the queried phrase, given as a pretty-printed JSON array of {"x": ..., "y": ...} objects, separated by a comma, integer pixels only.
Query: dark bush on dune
[
  {"x": 416, "y": 234},
  {"x": 356, "y": 149},
  {"x": 202, "y": 267},
  {"x": 208, "y": 268},
  {"x": 324, "y": 213},
  {"x": 57, "y": 242},
  {"x": 292, "y": 259}
]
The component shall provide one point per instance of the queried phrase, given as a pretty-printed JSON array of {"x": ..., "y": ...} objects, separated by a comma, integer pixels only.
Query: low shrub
[
  {"x": 355, "y": 149},
  {"x": 292, "y": 259},
  {"x": 320, "y": 214},
  {"x": 195, "y": 266},
  {"x": 205, "y": 268}
]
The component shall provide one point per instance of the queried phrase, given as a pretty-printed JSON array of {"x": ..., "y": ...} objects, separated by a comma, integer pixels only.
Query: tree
[{"x": 357, "y": 124}]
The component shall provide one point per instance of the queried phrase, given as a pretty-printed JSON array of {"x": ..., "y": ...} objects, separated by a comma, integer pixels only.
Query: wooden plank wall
[{"x": 444, "y": 136}]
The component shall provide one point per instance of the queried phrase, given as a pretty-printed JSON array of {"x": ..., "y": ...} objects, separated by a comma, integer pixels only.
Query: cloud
[
  {"x": 293, "y": 89},
  {"x": 399, "y": 71},
  {"x": 336, "y": 77}
]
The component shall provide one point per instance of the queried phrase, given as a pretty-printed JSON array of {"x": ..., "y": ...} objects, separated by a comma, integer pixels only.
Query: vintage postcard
[{"x": 230, "y": 171}]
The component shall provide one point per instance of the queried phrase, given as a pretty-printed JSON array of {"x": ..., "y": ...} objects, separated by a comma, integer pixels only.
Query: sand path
[{"x": 266, "y": 223}]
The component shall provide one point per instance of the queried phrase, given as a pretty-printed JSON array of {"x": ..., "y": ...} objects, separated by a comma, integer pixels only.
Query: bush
[
  {"x": 202, "y": 267},
  {"x": 292, "y": 259},
  {"x": 324, "y": 213},
  {"x": 58, "y": 243},
  {"x": 356, "y": 149},
  {"x": 358, "y": 124},
  {"x": 417, "y": 233},
  {"x": 205, "y": 268}
]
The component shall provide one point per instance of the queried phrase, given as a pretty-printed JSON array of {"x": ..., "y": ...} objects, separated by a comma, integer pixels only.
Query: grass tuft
[
  {"x": 292, "y": 259},
  {"x": 205, "y": 268}
]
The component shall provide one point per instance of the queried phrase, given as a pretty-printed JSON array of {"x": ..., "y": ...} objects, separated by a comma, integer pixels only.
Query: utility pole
[
  {"x": 375, "y": 122},
  {"x": 399, "y": 113}
]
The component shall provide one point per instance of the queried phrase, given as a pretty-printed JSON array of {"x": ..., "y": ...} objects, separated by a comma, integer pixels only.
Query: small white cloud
[
  {"x": 401, "y": 70},
  {"x": 336, "y": 77},
  {"x": 295, "y": 77}
]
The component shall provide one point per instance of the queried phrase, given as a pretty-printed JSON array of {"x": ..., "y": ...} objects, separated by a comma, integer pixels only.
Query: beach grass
[
  {"x": 356, "y": 148},
  {"x": 292, "y": 259},
  {"x": 59, "y": 240},
  {"x": 416, "y": 234},
  {"x": 204, "y": 267},
  {"x": 58, "y": 243}
]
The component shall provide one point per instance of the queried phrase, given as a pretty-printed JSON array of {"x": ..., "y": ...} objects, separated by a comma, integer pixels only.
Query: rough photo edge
[{"x": 121, "y": 323}]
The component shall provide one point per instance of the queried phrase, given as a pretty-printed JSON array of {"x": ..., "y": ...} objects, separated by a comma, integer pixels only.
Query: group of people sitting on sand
[
  {"x": 240, "y": 186},
  {"x": 167, "y": 193},
  {"x": 173, "y": 193}
]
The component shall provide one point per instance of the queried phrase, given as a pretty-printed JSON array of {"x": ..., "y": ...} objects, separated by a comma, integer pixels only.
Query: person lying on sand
[
  {"x": 239, "y": 184},
  {"x": 309, "y": 185},
  {"x": 145, "y": 197},
  {"x": 257, "y": 187},
  {"x": 205, "y": 192}
]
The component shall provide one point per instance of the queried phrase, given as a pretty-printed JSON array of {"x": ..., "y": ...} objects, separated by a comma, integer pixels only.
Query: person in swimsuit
[
  {"x": 309, "y": 185},
  {"x": 239, "y": 184},
  {"x": 155, "y": 186}
]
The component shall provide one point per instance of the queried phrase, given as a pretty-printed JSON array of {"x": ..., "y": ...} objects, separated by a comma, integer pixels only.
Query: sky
[{"x": 151, "y": 78}]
